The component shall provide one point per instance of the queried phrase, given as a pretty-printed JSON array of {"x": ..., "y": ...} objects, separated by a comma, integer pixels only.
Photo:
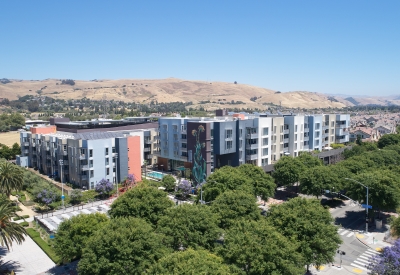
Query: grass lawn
[
  {"x": 43, "y": 245},
  {"x": 9, "y": 138}
]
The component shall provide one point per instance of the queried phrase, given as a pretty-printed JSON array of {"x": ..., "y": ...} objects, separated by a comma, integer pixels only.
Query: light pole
[
  {"x": 366, "y": 208},
  {"x": 340, "y": 252},
  {"x": 62, "y": 184}
]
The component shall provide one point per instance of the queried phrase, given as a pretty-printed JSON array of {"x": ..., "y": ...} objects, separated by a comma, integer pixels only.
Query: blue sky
[{"x": 339, "y": 47}]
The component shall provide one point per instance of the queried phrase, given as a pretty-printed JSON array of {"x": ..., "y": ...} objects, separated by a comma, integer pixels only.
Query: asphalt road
[{"x": 352, "y": 219}]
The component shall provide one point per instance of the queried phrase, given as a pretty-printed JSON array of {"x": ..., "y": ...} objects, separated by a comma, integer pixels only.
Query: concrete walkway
[
  {"x": 27, "y": 258},
  {"x": 24, "y": 210}
]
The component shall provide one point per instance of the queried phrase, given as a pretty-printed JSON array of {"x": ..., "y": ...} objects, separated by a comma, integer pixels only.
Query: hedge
[
  {"x": 43, "y": 245},
  {"x": 24, "y": 224},
  {"x": 25, "y": 216},
  {"x": 17, "y": 218}
]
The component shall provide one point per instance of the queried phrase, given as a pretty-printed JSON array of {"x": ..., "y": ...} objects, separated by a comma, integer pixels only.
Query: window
[
  {"x": 332, "y": 131},
  {"x": 65, "y": 147},
  {"x": 184, "y": 145},
  {"x": 212, "y": 132},
  {"x": 274, "y": 129},
  {"x": 265, "y": 151},
  {"x": 82, "y": 151},
  {"x": 90, "y": 153},
  {"x": 241, "y": 132},
  {"x": 265, "y": 131},
  {"x": 107, "y": 161},
  {"x": 92, "y": 185},
  {"x": 265, "y": 141},
  {"x": 295, "y": 128},
  {"x": 113, "y": 150},
  {"x": 240, "y": 143},
  {"x": 106, "y": 151},
  {"x": 295, "y": 146},
  {"x": 183, "y": 136},
  {"x": 228, "y": 133},
  {"x": 113, "y": 160},
  {"x": 264, "y": 162},
  {"x": 107, "y": 171},
  {"x": 229, "y": 144},
  {"x": 317, "y": 143},
  {"x": 91, "y": 163},
  {"x": 295, "y": 137},
  {"x": 332, "y": 124},
  {"x": 316, "y": 126},
  {"x": 91, "y": 173}
]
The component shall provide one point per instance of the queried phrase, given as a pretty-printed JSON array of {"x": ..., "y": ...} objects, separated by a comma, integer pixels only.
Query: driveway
[{"x": 27, "y": 258}]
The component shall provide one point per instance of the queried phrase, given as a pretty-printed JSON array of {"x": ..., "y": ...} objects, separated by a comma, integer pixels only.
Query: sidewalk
[
  {"x": 24, "y": 210},
  {"x": 374, "y": 240}
]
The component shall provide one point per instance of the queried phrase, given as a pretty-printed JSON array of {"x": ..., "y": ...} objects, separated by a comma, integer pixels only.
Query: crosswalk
[
  {"x": 364, "y": 260},
  {"x": 345, "y": 233}
]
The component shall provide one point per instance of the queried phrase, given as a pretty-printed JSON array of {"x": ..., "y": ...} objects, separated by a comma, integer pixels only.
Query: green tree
[
  {"x": 262, "y": 182},
  {"x": 147, "y": 203},
  {"x": 9, "y": 231},
  {"x": 388, "y": 139},
  {"x": 190, "y": 262},
  {"x": 309, "y": 223},
  {"x": 357, "y": 164},
  {"x": 309, "y": 160},
  {"x": 123, "y": 246},
  {"x": 395, "y": 224},
  {"x": 384, "y": 189},
  {"x": 382, "y": 158},
  {"x": 76, "y": 196},
  {"x": 11, "y": 178},
  {"x": 169, "y": 183},
  {"x": 234, "y": 205},
  {"x": 288, "y": 170},
  {"x": 15, "y": 150},
  {"x": 257, "y": 248},
  {"x": 73, "y": 234},
  {"x": 189, "y": 226},
  {"x": 223, "y": 179},
  {"x": 318, "y": 178}
]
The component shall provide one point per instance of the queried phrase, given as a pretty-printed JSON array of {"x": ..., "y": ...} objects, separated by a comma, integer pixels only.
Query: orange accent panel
[
  {"x": 44, "y": 129},
  {"x": 134, "y": 156},
  {"x": 240, "y": 116}
]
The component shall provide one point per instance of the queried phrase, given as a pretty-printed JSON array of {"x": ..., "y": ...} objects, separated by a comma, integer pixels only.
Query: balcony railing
[
  {"x": 286, "y": 131},
  {"x": 252, "y": 157},
  {"x": 183, "y": 149},
  {"x": 148, "y": 141},
  {"x": 84, "y": 177},
  {"x": 306, "y": 138},
  {"x": 26, "y": 143},
  {"x": 251, "y": 146},
  {"x": 146, "y": 149},
  {"x": 252, "y": 136},
  {"x": 82, "y": 156},
  {"x": 285, "y": 140}
]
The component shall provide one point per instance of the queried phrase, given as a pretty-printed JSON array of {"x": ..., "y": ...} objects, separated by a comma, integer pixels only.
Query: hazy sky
[{"x": 341, "y": 47}]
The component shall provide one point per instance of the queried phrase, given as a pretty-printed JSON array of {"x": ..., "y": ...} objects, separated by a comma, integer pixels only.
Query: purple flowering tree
[
  {"x": 104, "y": 187},
  {"x": 388, "y": 263},
  {"x": 46, "y": 197},
  {"x": 184, "y": 188}
]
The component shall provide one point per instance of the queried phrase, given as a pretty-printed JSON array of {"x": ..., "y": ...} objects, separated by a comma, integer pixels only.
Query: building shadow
[
  {"x": 67, "y": 269},
  {"x": 352, "y": 220}
]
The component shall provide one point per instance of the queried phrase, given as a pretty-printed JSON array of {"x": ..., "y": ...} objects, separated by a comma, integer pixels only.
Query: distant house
[
  {"x": 385, "y": 129},
  {"x": 366, "y": 134}
]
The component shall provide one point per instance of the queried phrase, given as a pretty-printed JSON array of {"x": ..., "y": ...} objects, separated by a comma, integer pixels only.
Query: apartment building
[
  {"x": 83, "y": 159},
  {"x": 204, "y": 144}
]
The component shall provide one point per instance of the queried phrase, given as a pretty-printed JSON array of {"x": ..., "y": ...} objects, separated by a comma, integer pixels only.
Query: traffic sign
[{"x": 366, "y": 206}]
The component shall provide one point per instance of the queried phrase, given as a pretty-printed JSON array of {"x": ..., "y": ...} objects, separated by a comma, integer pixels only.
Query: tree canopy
[
  {"x": 318, "y": 178},
  {"x": 168, "y": 182},
  {"x": 384, "y": 189},
  {"x": 246, "y": 177},
  {"x": 11, "y": 178},
  {"x": 190, "y": 262},
  {"x": 309, "y": 160},
  {"x": 124, "y": 246},
  {"x": 388, "y": 139},
  {"x": 73, "y": 234},
  {"x": 9, "y": 231},
  {"x": 257, "y": 248},
  {"x": 234, "y": 205},
  {"x": 306, "y": 221},
  {"x": 288, "y": 170},
  {"x": 144, "y": 202},
  {"x": 189, "y": 226}
]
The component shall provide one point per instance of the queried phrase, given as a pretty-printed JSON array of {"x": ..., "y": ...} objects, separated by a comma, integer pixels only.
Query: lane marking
[
  {"x": 357, "y": 270},
  {"x": 350, "y": 234},
  {"x": 344, "y": 232},
  {"x": 362, "y": 260}
]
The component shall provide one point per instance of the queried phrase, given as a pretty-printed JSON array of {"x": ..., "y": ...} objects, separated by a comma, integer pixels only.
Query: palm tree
[
  {"x": 11, "y": 178},
  {"x": 9, "y": 231}
]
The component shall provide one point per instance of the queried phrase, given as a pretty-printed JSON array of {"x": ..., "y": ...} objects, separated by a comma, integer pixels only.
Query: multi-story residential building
[
  {"x": 203, "y": 144},
  {"x": 83, "y": 159}
]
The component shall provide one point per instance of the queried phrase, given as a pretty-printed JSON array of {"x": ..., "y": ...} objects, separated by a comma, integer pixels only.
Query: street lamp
[
  {"x": 62, "y": 184},
  {"x": 366, "y": 208},
  {"x": 340, "y": 252}
]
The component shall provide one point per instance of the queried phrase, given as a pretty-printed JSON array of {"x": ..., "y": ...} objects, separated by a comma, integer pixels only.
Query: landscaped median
[{"x": 43, "y": 245}]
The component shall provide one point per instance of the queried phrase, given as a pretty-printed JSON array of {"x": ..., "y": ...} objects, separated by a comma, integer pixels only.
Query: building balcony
[
  {"x": 182, "y": 158},
  {"x": 286, "y": 131},
  {"x": 341, "y": 126},
  {"x": 25, "y": 151},
  {"x": 148, "y": 141},
  {"x": 183, "y": 149},
  {"x": 146, "y": 149},
  {"x": 252, "y": 157},
  {"x": 48, "y": 157},
  {"x": 251, "y": 146},
  {"x": 183, "y": 140},
  {"x": 65, "y": 153},
  {"x": 85, "y": 167},
  {"x": 26, "y": 143},
  {"x": 183, "y": 131},
  {"x": 149, "y": 156},
  {"x": 285, "y": 140},
  {"x": 252, "y": 136},
  {"x": 306, "y": 138},
  {"x": 47, "y": 148},
  {"x": 84, "y": 177}
]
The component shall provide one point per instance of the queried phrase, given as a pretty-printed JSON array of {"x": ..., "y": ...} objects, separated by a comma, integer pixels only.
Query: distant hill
[{"x": 209, "y": 95}]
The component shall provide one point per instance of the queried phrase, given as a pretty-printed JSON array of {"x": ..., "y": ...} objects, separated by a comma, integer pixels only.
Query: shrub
[
  {"x": 17, "y": 218},
  {"x": 43, "y": 245},
  {"x": 25, "y": 216},
  {"x": 24, "y": 224}
]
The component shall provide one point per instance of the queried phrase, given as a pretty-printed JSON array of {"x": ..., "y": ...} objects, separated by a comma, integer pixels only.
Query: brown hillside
[{"x": 168, "y": 90}]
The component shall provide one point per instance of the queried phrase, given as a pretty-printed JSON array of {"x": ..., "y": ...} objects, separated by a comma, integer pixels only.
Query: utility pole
[
  {"x": 366, "y": 208},
  {"x": 62, "y": 184}
]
